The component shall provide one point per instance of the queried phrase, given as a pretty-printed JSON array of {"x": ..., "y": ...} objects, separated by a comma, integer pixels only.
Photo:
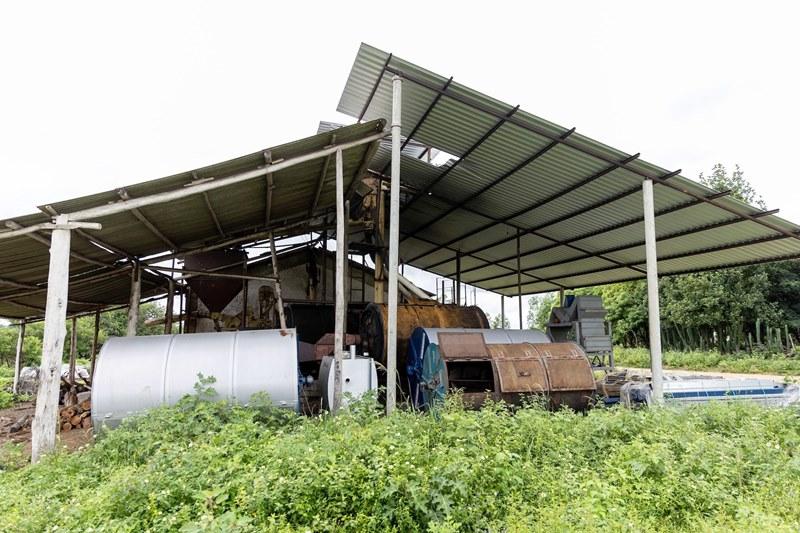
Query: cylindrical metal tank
[
  {"x": 410, "y": 316},
  {"x": 138, "y": 373},
  {"x": 421, "y": 338}
]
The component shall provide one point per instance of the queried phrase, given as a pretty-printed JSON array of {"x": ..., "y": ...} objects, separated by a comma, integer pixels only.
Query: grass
[
  {"x": 210, "y": 467},
  {"x": 715, "y": 361}
]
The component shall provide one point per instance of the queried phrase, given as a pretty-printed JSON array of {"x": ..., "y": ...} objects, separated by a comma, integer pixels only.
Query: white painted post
[
  {"x": 341, "y": 257},
  {"x": 394, "y": 246},
  {"x": 18, "y": 358},
  {"x": 43, "y": 427},
  {"x": 136, "y": 295},
  {"x": 653, "y": 311}
]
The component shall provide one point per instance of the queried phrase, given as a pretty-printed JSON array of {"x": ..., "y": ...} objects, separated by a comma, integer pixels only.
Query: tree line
[{"x": 112, "y": 324}]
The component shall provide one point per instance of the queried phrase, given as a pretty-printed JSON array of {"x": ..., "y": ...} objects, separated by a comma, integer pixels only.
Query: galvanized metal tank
[{"x": 137, "y": 373}]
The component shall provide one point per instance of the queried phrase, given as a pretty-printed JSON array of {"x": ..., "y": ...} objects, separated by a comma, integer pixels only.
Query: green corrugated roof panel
[{"x": 583, "y": 213}]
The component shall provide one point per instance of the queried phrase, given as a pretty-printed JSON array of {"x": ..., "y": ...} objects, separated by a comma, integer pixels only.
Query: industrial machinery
[
  {"x": 583, "y": 320},
  {"x": 359, "y": 376},
  {"x": 409, "y": 316},
  {"x": 137, "y": 373},
  {"x": 474, "y": 362}
]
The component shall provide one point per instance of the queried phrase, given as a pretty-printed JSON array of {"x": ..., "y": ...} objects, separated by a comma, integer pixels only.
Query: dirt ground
[{"x": 71, "y": 440}]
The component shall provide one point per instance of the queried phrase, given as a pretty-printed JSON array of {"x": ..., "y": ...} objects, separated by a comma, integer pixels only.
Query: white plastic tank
[{"x": 137, "y": 373}]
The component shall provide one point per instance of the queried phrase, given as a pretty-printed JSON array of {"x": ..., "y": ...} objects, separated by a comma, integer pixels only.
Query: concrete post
[
  {"x": 653, "y": 311},
  {"x": 341, "y": 257},
  {"x": 394, "y": 246},
  {"x": 44, "y": 422}
]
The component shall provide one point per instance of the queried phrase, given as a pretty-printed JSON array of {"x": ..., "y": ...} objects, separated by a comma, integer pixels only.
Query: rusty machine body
[
  {"x": 558, "y": 372},
  {"x": 410, "y": 316}
]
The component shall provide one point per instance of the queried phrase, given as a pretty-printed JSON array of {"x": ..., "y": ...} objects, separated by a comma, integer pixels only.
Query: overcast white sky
[{"x": 95, "y": 95}]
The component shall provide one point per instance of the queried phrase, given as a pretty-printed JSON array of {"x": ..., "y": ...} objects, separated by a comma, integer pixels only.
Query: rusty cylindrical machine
[
  {"x": 409, "y": 316},
  {"x": 559, "y": 372}
]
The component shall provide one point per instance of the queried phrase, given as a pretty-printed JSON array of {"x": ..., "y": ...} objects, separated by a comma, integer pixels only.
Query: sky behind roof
[{"x": 95, "y": 95}]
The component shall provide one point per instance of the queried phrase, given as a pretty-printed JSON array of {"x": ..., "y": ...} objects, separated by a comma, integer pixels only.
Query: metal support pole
[
  {"x": 502, "y": 312},
  {"x": 443, "y": 291},
  {"x": 458, "y": 278},
  {"x": 94, "y": 343},
  {"x": 278, "y": 297},
  {"x": 653, "y": 311},
  {"x": 561, "y": 297},
  {"x": 18, "y": 358},
  {"x": 136, "y": 295},
  {"x": 341, "y": 257},
  {"x": 170, "y": 305},
  {"x": 519, "y": 281},
  {"x": 44, "y": 422},
  {"x": 394, "y": 245},
  {"x": 181, "y": 314}
]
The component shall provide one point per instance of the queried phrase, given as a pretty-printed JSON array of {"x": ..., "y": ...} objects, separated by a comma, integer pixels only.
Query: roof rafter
[
  {"x": 464, "y": 156},
  {"x": 123, "y": 194}
]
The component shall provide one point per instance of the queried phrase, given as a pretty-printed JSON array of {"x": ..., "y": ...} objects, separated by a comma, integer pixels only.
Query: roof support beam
[
  {"x": 653, "y": 306},
  {"x": 578, "y": 211},
  {"x": 270, "y": 186},
  {"x": 681, "y": 255},
  {"x": 321, "y": 180},
  {"x": 213, "y": 214},
  {"x": 613, "y": 227},
  {"x": 575, "y": 146},
  {"x": 32, "y": 233},
  {"x": 489, "y": 186},
  {"x": 536, "y": 205},
  {"x": 123, "y": 194},
  {"x": 374, "y": 89},
  {"x": 16, "y": 284},
  {"x": 458, "y": 161},
  {"x": 169, "y": 196},
  {"x": 675, "y": 235}
]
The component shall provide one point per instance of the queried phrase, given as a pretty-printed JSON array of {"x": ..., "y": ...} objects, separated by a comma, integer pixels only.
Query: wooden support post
[
  {"x": 325, "y": 265},
  {"x": 561, "y": 297},
  {"x": 458, "y": 278},
  {"x": 244, "y": 304},
  {"x": 136, "y": 294},
  {"x": 94, "y": 343},
  {"x": 71, "y": 397},
  {"x": 44, "y": 423},
  {"x": 341, "y": 257},
  {"x": 379, "y": 279},
  {"x": 502, "y": 312},
  {"x": 519, "y": 281},
  {"x": 18, "y": 357},
  {"x": 278, "y": 297},
  {"x": 170, "y": 306}
]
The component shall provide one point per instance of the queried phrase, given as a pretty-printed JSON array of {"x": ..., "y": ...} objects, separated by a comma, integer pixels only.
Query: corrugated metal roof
[
  {"x": 188, "y": 223},
  {"x": 577, "y": 202}
]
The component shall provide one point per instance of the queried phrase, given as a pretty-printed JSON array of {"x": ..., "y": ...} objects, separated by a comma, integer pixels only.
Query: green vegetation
[
  {"x": 6, "y": 382},
  {"x": 112, "y": 324},
  {"x": 210, "y": 467},
  {"x": 696, "y": 360}
]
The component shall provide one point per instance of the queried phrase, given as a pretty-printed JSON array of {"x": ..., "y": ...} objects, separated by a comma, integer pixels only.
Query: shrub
[{"x": 203, "y": 466}]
